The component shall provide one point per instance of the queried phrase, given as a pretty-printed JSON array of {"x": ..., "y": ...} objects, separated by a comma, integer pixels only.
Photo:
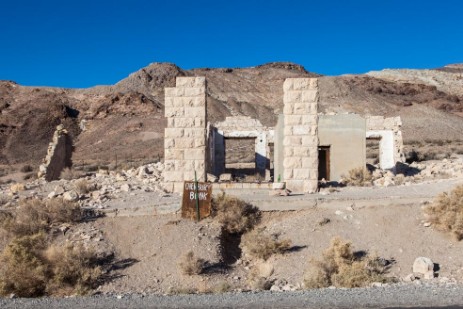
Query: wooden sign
[{"x": 197, "y": 200}]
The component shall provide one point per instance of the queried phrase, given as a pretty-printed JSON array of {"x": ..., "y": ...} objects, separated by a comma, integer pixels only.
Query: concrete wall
[
  {"x": 391, "y": 144},
  {"x": 345, "y": 134},
  {"x": 300, "y": 141},
  {"x": 185, "y": 134}
]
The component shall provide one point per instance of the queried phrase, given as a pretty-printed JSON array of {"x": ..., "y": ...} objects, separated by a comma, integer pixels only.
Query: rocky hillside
[{"x": 125, "y": 122}]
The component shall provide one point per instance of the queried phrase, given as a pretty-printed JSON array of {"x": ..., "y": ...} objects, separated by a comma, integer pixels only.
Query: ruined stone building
[{"x": 303, "y": 148}]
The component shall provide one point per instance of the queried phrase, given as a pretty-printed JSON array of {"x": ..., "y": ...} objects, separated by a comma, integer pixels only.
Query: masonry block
[
  {"x": 173, "y": 132},
  {"x": 300, "y": 134}
]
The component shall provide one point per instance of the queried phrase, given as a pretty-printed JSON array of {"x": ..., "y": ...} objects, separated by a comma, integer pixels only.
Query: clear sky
[{"x": 83, "y": 43}]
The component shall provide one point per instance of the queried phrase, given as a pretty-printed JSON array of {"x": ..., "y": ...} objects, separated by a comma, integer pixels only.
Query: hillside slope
[{"x": 125, "y": 121}]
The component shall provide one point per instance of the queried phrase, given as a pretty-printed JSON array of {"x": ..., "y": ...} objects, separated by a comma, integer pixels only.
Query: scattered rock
[
  {"x": 17, "y": 187},
  {"x": 211, "y": 178},
  {"x": 225, "y": 177},
  {"x": 71, "y": 196},
  {"x": 424, "y": 266},
  {"x": 125, "y": 187}
]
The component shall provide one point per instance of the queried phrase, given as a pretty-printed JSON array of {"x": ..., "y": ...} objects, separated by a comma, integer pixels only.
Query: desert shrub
[
  {"x": 82, "y": 186},
  {"x": 236, "y": 216},
  {"x": 446, "y": 212},
  {"x": 23, "y": 270},
  {"x": 30, "y": 176},
  {"x": 4, "y": 199},
  {"x": 30, "y": 267},
  {"x": 257, "y": 281},
  {"x": 262, "y": 245},
  {"x": 36, "y": 215},
  {"x": 340, "y": 267},
  {"x": 189, "y": 264},
  {"x": 73, "y": 270},
  {"x": 26, "y": 169},
  {"x": 358, "y": 177},
  {"x": 69, "y": 174},
  {"x": 222, "y": 287}
]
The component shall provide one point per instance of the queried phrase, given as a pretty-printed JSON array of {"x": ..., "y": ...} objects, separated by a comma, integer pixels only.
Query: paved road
[{"x": 394, "y": 296}]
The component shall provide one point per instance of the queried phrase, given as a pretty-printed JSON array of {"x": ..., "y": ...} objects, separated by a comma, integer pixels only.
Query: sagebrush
[
  {"x": 189, "y": 264},
  {"x": 235, "y": 215},
  {"x": 31, "y": 267},
  {"x": 446, "y": 212},
  {"x": 340, "y": 267},
  {"x": 69, "y": 174},
  {"x": 36, "y": 215},
  {"x": 261, "y": 244},
  {"x": 358, "y": 177}
]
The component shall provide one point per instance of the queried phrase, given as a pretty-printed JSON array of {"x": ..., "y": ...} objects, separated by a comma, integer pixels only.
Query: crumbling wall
[
  {"x": 389, "y": 130},
  {"x": 242, "y": 127},
  {"x": 300, "y": 142},
  {"x": 59, "y": 155},
  {"x": 185, "y": 134}
]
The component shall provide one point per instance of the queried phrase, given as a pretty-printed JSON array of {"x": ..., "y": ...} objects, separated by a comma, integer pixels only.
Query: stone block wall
[
  {"x": 394, "y": 124},
  {"x": 300, "y": 141},
  {"x": 185, "y": 134}
]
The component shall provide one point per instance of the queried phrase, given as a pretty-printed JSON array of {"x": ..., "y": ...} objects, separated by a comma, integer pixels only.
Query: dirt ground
[{"x": 154, "y": 245}]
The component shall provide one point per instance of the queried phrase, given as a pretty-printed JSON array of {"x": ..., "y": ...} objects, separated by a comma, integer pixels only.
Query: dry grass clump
[
  {"x": 258, "y": 281},
  {"x": 358, "y": 177},
  {"x": 26, "y": 169},
  {"x": 82, "y": 186},
  {"x": 446, "y": 213},
  {"x": 35, "y": 215},
  {"x": 69, "y": 174},
  {"x": 340, "y": 267},
  {"x": 236, "y": 216},
  {"x": 30, "y": 267},
  {"x": 189, "y": 264},
  {"x": 262, "y": 245}
]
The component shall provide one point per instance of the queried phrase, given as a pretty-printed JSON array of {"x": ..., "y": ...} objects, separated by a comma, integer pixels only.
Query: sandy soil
[{"x": 154, "y": 244}]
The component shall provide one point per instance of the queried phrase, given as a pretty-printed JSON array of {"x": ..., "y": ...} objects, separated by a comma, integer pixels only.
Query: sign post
[{"x": 198, "y": 215}]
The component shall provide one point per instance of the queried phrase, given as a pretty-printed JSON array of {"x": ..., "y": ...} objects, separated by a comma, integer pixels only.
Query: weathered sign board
[{"x": 197, "y": 200}]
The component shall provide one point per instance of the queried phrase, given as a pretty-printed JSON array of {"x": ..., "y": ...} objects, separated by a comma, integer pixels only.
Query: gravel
[{"x": 393, "y": 296}]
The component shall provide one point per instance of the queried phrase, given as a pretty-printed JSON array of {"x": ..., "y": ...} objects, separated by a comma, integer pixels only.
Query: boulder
[
  {"x": 71, "y": 196},
  {"x": 424, "y": 266}
]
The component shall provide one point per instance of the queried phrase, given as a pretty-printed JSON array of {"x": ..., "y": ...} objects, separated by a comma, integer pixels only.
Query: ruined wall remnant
[
  {"x": 391, "y": 143},
  {"x": 59, "y": 155},
  {"x": 300, "y": 142},
  {"x": 185, "y": 134},
  {"x": 242, "y": 127}
]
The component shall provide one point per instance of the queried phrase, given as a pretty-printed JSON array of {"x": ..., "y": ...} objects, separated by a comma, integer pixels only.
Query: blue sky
[{"x": 85, "y": 43}]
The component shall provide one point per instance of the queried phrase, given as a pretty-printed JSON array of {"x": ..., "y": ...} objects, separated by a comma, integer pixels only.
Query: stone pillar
[
  {"x": 300, "y": 142},
  {"x": 185, "y": 134}
]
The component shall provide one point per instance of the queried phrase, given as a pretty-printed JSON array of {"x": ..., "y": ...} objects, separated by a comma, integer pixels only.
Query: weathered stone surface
[
  {"x": 185, "y": 135},
  {"x": 424, "y": 266},
  {"x": 300, "y": 134},
  {"x": 58, "y": 155},
  {"x": 71, "y": 196}
]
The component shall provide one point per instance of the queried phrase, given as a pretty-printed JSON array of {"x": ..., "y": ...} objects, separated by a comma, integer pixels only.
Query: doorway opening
[
  {"x": 240, "y": 157},
  {"x": 324, "y": 163}
]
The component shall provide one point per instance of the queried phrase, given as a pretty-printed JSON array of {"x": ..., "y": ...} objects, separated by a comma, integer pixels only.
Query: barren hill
[{"x": 125, "y": 121}]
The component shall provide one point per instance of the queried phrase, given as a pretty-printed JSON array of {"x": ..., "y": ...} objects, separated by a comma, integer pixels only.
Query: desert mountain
[{"x": 125, "y": 121}]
